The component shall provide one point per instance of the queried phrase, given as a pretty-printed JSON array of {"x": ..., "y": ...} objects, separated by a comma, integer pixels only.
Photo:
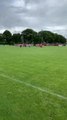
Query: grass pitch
[{"x": 33, "y": 83}]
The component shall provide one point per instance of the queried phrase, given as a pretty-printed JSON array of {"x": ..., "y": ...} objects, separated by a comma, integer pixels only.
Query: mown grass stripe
[{"x": 35, "y": 87}]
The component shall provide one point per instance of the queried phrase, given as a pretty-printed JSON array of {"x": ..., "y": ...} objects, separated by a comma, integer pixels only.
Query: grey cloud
[{"x": 37, "y": 14}]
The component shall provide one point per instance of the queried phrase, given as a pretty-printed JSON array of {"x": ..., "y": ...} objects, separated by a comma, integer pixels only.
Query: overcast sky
[{"x": 17, "y": 15}]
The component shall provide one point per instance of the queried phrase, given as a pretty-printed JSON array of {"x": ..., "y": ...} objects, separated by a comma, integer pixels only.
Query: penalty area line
[{"x": 33, "y": 86}]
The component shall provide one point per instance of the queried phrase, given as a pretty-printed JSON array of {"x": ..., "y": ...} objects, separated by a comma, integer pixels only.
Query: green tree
[
  {"x": 29, "y": 36},
  {"x": 7, "y": 36},
  {"x": 46, "y": 36},
  {"x": 59, "y": 39},
  {"x": 16, "y": 38},
  {"x": 1, "y": 39}
]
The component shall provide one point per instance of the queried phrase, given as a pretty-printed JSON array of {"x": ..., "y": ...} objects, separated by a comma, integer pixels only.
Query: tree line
[{"x": 29, "y": 36}]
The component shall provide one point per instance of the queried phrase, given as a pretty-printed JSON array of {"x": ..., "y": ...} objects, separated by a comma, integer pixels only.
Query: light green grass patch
[{"x": 40, "y": 67}]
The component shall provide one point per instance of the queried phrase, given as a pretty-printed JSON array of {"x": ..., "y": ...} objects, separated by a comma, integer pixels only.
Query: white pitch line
[{"x": 35, "y": 87}]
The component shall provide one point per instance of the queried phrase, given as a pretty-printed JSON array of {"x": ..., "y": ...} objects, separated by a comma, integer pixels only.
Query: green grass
[{"x": 44, "y": 68}]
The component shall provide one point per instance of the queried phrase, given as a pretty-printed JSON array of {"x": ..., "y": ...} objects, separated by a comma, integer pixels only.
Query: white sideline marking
[{"x": 35, "y": 87}]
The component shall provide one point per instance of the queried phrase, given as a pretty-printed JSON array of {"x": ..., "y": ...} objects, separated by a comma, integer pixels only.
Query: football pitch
[{"x": 33, "y": 83}]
